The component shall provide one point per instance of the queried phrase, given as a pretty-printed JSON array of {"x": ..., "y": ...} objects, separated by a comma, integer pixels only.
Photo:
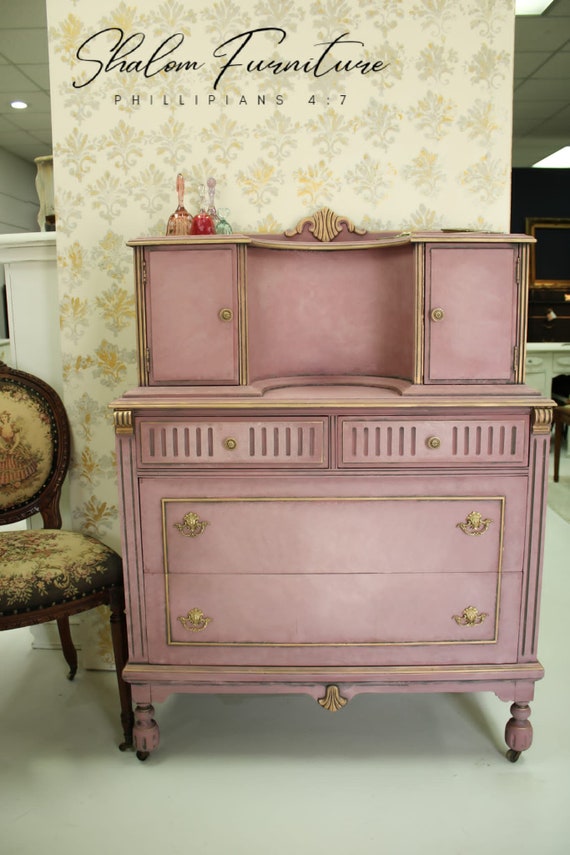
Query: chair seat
[{"x": 44, "y": 568}]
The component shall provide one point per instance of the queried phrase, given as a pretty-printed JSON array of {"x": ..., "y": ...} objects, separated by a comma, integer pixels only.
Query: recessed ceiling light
[
  {"x": 18, "y": 105},
  {"x": 557, "y": 160},
  {"x": 531, "y": 7}
]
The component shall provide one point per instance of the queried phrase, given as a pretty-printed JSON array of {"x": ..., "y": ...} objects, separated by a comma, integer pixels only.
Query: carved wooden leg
[
  {"x": 120, "y": 651},
  {"x": 146, "y": 734},
  {"x": 67, "y": 645},
  {"x": 518, "y": 732}
]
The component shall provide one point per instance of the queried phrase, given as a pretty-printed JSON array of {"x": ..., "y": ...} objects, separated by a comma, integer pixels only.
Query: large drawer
[
  {"x": 328, "y": 536},
  {"x": 432, "y": 442},
  {"x": 304, "y": 619},
  {"x": 233, "y": 442},
  {"x": 313, "y": 609}
]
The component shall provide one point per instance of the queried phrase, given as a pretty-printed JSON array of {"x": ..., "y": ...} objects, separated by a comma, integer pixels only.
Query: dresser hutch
[{"x": 332, "y": 475}]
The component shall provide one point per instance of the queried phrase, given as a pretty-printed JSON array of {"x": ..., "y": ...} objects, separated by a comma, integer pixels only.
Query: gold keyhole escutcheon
[
  {"x": 225, "y": 314},
  {"x": 230, "y": 443},
  {"x": 437, "y": 314},
  {"x": 433, "y": 442}
]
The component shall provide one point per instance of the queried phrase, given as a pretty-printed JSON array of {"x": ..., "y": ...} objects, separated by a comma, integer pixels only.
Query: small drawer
[
  {"x": 234, "y": 442},
  {"x": 535, "y": 363},
  {"x": 561, "y": 364},
  {"x": 432, "y": 442}
]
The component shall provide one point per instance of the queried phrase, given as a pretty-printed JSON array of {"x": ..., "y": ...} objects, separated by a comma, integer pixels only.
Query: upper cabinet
[
  {"x": 328, "y": 299},
  {"x": 472, "y": 307}
]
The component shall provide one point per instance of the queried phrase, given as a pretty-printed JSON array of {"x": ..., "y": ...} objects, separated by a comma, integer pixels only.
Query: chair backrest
[{"x": 34, "y": 448}]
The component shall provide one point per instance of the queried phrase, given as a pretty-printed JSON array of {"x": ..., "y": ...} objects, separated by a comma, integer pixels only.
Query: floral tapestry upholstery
[
  {"x": 27, "y": 445},
  {"x": 47, "y": 567}
]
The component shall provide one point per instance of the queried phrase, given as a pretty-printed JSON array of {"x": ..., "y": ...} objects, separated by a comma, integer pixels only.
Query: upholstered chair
[{"x": 49, "y": 574}]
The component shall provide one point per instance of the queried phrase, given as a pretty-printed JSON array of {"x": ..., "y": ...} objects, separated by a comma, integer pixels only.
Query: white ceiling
[{"x": 541, "y": 84}]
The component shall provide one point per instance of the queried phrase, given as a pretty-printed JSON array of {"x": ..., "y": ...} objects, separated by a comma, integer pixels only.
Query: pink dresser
[{"x": 332, "y": 476}]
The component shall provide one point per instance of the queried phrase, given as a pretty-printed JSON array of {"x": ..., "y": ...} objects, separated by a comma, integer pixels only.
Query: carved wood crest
[{"x": 324, "y": 225}]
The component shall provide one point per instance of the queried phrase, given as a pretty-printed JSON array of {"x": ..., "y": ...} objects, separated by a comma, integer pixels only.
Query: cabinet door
[
  {"x": 471, "y": 311},
  {"x": 192, "y": 315}
]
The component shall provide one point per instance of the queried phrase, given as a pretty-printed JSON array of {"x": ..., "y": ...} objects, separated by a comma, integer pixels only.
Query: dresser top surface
[{"x": 344, "y": 393}]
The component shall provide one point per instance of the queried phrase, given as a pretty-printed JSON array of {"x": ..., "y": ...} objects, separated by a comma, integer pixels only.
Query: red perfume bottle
[{"x": 203, "y": 223}]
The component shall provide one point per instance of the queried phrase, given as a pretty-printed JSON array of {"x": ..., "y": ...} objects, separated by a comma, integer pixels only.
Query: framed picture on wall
[{"x": 550, "y": 255}]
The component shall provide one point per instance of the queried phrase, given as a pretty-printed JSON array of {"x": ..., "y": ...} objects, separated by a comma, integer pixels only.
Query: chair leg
[
  {"x": 120, "y": 650},
  {"x": 67, "y": 645},
  {"x": 557, "y": 445}
]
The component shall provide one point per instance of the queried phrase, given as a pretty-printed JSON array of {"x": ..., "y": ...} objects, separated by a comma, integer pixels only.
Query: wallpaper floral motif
[{"x": 422, "y": 142}]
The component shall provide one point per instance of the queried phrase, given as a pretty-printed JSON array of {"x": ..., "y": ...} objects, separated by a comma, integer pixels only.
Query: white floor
[{"x": 388, "y": 775}]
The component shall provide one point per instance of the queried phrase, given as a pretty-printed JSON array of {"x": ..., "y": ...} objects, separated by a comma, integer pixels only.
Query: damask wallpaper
[{"x": 396, "y": 114}]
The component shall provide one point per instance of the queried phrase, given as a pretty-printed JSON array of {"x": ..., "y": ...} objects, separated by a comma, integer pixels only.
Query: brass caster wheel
[
  {"x": 513, "y": 755},
  {"x": 142, "y": 755}
]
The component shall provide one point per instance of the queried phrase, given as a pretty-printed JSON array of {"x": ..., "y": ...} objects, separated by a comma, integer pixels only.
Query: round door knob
[
  {"x": 433, "y": 442},
  {"x": 225, "y": 314},
  {"x": 230, "y": 443},
  {"x": 437, "y": 314}
]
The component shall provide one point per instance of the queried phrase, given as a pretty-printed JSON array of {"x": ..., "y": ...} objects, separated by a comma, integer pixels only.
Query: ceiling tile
[
  {"x": 540, "y": 109},
  {"x": 28, "y": 45},
  {"x": 526, "y": 62},
  {"x": 22, "y": 13},
  {"x": 14, "y": 82},
  {"x": 550, "y": 33},
  {"x": 557, "y": 66},
  {"x": 38, "y": 73},
  {"x": 534, "y": 90}
]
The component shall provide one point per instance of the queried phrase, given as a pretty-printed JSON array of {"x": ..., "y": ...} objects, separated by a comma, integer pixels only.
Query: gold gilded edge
[
  {"x": 320, "y": 672},
  {"x": 403, "y": 402},
  {"x": 140, "y": 263},
  {"x": 541, "y": 420},
  {"x": 189, "y": 240},
  {"x": 523, "y": 274},
  {"x": 243, "y": 346},
  {"x": 419, "y": 255},
  {"x": 123, "y": 421}
]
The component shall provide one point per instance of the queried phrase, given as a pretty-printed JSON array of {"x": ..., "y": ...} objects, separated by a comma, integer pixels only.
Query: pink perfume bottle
[{"x": 179, "y": 223}]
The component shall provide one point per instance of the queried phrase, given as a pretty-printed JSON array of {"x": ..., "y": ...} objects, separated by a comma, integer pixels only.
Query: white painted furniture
[
  {"x": 544, "y": 361},
  {"x": 30, "y": 271}
]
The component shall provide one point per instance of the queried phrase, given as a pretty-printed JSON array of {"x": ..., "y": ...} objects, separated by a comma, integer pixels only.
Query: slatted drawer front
[
  {"x": 295, "y": 442},
  {"x": 385, "y": 442}
]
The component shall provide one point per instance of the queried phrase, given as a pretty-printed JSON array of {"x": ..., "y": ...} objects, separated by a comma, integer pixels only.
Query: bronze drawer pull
[
  {"x": 433, "y": 442},
  {"x": 230, "y": 443},
  {"x": 474, "y": 524},
  {"x": 470, "y": 616},
  {"x": 225, "y": 314},
  {"x": 437, "y": 314},
  {"x": 195, "y": 620},
  {"x": 191, "y": 525}
]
